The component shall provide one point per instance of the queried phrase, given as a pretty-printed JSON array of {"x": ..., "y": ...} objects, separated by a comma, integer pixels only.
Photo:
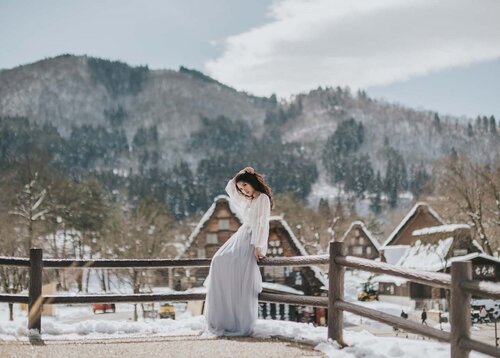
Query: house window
[
  {"x": 361, "y": 240},
  {"x": 223, "y": 224},
  {"x": 201, "y": 253},
  {"x": 357, "y": 250},
  {"x": 298, "y": 278},
  {"x": 368, "y": 250},
  {"x": 212, "y": 238}
]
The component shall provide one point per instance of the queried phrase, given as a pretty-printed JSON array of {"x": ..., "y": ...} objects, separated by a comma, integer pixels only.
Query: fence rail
[{"x": 459, "y": 282}]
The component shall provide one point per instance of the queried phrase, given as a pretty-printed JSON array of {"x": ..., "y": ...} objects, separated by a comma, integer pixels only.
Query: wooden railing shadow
[{"x": 459, "y": 282}]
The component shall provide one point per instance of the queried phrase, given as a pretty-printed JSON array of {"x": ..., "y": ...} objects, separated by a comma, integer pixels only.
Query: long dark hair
[{"x": 257, "y": 181}]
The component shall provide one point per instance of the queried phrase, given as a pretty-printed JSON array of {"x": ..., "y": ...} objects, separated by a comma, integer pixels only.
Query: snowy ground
[
  {"x": 79, "y": 323},
  {"x": 367, "y": 338}
]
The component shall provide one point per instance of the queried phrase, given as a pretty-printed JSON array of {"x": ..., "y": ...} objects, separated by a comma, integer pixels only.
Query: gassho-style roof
[
  {"x": 407, "y": 218},
  {"x": 208, "y": 214},
  {"x": 368, "y": 233},
  {"x": 317, "y": 271},
  {"x": 439, "y": 229},
  {"x": 430, "y": 262},
  {"x": 426, "y": 256}
]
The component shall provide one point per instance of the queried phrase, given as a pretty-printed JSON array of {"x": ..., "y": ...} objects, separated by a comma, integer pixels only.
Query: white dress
[{"x": 234, "y": 280}]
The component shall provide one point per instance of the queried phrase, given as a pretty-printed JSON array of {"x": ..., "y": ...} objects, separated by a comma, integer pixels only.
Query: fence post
[
  {"x": 460, "y": 310},
  {"x": 35, "y": 290},
  {"x": 335, "y": 292}
]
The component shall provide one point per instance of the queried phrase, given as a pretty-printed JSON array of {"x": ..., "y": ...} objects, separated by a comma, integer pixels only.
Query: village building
[
  {"x": 217, "y": 225},
  {"x": 434, "y": 249},
  {"x": 421, "y": 215},
  {"x": 359, "y": 241}
]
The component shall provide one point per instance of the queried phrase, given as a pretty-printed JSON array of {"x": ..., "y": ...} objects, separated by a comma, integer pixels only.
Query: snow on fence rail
[{"x": 460, "y": 284}]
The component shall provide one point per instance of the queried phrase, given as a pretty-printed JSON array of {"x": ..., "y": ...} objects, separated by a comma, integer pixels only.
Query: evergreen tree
[
  {"x": 437, "y": 122},
  {"x": 477, "y": 125},
  {"x": 324, "y": 209},
  {"x": 359, "y": 174},
  {"x": 221, "y": 135},
  {"x": 419, "y": 179},
  {"x": 493, "y": 125},
  {"x": 485, "y": 124},
  {"x": 376, "y": 199},
  {"x": 145, "y": 146},
  {"x": 182, "y": 196},
  {"x": 470, "y": 131},
  {"x": 338, "y": 153},
  {"x": 395, "y": 177}
]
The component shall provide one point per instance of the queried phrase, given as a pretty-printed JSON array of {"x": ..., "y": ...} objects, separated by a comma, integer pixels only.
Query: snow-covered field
[{"x": 79, "y": 323}]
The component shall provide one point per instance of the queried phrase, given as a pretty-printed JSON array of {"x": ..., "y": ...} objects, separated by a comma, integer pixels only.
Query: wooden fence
[{"x": 459, "y": 283}]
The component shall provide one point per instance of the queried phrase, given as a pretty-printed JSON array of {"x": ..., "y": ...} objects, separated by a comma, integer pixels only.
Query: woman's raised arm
[{"x": 238, "y": 198}]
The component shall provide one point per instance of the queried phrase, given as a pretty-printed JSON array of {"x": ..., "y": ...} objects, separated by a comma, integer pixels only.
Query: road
[{"x": 173, "y": 346}]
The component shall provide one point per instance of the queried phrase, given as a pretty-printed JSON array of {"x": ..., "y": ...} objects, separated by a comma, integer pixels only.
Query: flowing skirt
[{"x": 233, "y": 284}]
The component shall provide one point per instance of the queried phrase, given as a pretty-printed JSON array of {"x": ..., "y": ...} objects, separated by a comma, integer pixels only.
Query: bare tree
[
  {"x": 30, "y": 206},
  {"x": 12, "y": 243},
  {"x": 470, "y": 187},
  {"x": 141, "y": 233}
]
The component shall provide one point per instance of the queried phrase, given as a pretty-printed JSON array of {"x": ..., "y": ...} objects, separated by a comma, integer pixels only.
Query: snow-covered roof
[
  {"x": 428, "y": 257},
  {"x": 408, "y": 216},
  {"x": 368, "y": 233},
  {"x": 439, "y": 229},
  {"x": 393, "y": 253},
  {"x": 317, "y": 271},
  {"x": 208, "y": 214},
  {"x": 471, "y": 256}
]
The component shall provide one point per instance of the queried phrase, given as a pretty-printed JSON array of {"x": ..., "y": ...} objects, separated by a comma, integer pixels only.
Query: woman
[{"x": 234, "y": 281}]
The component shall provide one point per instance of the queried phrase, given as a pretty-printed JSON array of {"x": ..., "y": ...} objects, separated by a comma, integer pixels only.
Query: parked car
[
  {"x": 167, "y": 310},
  {"x": 103, "y": 307}
]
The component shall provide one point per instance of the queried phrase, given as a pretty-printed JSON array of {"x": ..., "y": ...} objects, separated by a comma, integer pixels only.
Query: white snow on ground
[
  {"x": 362, "y": 344},
  {"x": 77, "y": 322}
]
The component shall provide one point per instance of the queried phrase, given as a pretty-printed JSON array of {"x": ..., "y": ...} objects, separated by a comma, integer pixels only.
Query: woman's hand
[
  {"x": 248, "y": 170},
  {"x": 258, "y": 253},
  {"x": 245, "y": 170}
]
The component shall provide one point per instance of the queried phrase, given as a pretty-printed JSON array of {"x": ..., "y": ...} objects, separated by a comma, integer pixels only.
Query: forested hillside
[{"x": 178, "y": 135}]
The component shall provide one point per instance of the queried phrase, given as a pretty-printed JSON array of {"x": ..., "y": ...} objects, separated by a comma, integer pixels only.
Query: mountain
[
  {"x": 70, "y": 91},
  {"x": 76, "y": 90}
]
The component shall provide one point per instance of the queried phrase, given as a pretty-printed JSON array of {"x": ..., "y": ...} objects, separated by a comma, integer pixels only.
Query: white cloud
[{"x": 358, "y": 43}]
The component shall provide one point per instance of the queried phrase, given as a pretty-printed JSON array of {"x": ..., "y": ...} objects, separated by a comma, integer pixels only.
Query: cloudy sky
[{"x": 442, "y": 56}]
